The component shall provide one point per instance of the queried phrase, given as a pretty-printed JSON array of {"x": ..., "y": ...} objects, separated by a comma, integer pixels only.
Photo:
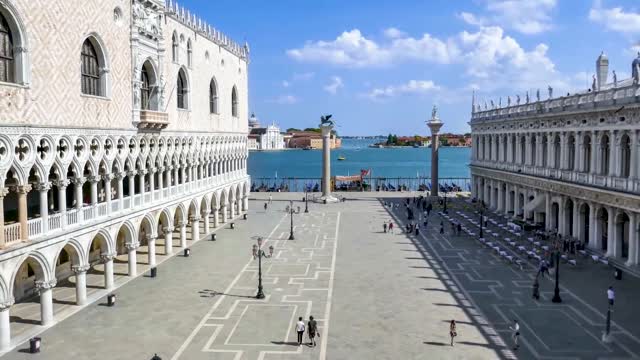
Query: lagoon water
[{"x": 399, "y": 162}]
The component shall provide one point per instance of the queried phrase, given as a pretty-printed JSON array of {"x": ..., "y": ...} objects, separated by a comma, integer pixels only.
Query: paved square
[{"x": 375, "y": 295}]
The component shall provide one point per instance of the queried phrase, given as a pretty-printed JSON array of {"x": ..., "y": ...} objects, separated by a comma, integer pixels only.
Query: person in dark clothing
[
  {"x": 312, "y": 330},
  {"x": 384, "y": 226},
  {"x": 536, "y": 289},
  {"x": 459, "y": 229}
]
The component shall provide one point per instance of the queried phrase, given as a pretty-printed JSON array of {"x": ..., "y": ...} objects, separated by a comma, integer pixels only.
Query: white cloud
[
  {"x": 410, "y": 87},
  {"x": 336, "y": 83},
  {"x": 285, "y": 83},
  {"x": 352, "y": 49},
  {"x": 284, "y": 100},
  {"x": 393, "y": 33},
  {"x": 525, "y": 16},
  {"x": 615, "y": 19}
]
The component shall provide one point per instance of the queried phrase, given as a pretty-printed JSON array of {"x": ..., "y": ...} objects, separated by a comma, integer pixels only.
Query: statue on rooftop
[
  {"x": 593, "y": 83},
  {"x": 538, "y": 95},
  {"x": 550, "y": 89},
  {"x": 517, "y": 99},
  {"x": 500, "y": 102},
  {"x": 434, "y": 112},
  {"x": 615, "y": 79},
  {"x": 527, "y": 97},
  {"x": 635, "y": 69},
  {"x": 508, "y": 100},
  {"x": 485, "y": 105},
  {"x": 324, "y": 120}
]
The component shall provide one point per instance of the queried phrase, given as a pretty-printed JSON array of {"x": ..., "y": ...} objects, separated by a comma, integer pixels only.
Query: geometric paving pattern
[{"x": 297, "y": 282}]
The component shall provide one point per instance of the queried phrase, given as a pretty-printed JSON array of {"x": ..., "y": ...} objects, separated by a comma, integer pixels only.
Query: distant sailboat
[{"x": 341, "y": 158}]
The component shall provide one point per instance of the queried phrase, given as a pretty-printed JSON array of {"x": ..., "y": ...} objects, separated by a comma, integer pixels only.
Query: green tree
[
  {"x": 292, "y": 129},
  {"x": 313, "y": 130},
  {"x": 394, "y": 139}
]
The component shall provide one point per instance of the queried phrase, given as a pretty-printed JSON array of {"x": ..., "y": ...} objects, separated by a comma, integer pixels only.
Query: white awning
[{"x": 537, "y": 204}]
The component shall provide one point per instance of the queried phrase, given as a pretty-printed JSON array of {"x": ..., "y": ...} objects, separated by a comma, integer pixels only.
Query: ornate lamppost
[
  {"x": 259, "y": 253},
  {"x": 556, "y": 292},
  {"x": 291, "y": 211}
]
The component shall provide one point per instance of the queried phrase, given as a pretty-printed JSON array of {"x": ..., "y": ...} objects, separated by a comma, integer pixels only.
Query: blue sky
[{"x": 379, "y": 66}]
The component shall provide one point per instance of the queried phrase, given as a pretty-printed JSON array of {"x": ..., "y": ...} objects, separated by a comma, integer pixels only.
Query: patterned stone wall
[{"x": 55, "y": 32}]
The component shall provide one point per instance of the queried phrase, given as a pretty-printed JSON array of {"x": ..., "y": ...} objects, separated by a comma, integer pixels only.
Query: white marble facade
[
  {"x": 570, "y": 163},
  {"x": 146, "y": 138}
]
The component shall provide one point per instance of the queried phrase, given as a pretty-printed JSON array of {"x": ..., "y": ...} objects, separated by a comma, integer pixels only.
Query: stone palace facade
[
  {"x": 123, "y": 126},
  {"x": 570, "y": 162}
]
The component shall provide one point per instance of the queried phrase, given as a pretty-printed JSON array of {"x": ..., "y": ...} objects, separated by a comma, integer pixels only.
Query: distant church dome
[{"x": 253, "y": 121}]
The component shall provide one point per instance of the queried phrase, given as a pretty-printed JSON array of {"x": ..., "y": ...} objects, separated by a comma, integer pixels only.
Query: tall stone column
[
  {"x": 5, "y": 325},
  {"x": 434, "y": 125},
  {"x": 160, "y": 183},
  {"x": 45, "y": 288},
  {"x": 611, "y": 232},
  {"x": 3, "y": 193},
  {"x": 195, "y": 228},
  {"x": 22, "y": 210},
  {"x": 205, "y": 217},
  {"x": 592, "y": 226},
  {"x": 152, "y": 183},
  {"x": 151, "y": 243},
  {"x": 132, "y": 187},
  {"x": 633, "y": 240},
  {"x": 81, "y": 283},
  {"x": 120, "y": 177},
  {"x": 168, "y": 240},
  {"x": 43, "y": 191},
  {"x": 183, "y": 235},
  {"x": 107, "y": 260},
  {"x": 224, "y": 213},
  {"x": 326, "y": 164},
  {"x": 62, "y": 201},
  {"x": 93, "y": 180},
  {"x": 216, "y": 221},
  {"x": 133, "y": 259},
  {"x": 576, "y": 219},
  {"x": 107, "y": 191}
]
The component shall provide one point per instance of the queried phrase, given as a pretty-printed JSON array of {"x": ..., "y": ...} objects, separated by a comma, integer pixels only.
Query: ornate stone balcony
[{"x": 153, "y": 120}]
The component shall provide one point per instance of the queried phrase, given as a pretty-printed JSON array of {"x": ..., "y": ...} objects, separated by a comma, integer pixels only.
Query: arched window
[
  {"x": 174, "y": 47},
  {"x": 625, "y": 156},
  {"x": 504, "y": 148},
  {"x": 604, "y": 155},
  {"x": 534, "y": 150},
  {"x": 586, "y": 149},
  {"x": 513, "y": 149},
  {"x": 7, "y": 62},
  {"x": 234, "y": 102},
  {"x": 556, "y": 152},
  {"x": 182, "y": 90},
  {"x": 145, "y": 89},
  {"x": 523, "y": 149},
  {"x": 90, "y": 70},
  {"x": 189, "y": 53},
  {"x": 213, "y": 97},
  {"x": 148, "y": 87},
  {"x": 571, "y": 149},
  {"x": 545, "y": 150}
]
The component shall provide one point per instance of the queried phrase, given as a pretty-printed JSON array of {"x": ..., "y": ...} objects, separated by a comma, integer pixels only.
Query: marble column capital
[
  {"x": 195, "y": 218},
  {"x": 62, "y": 184},
  {"x": 6, "y": 304},
  {"x": 46, "y": 285},
  {"x": 78, "y": 269},
  {"x": 150, "y": 238},
  {"x": 120, "y": 175},
  {"x": 46, "y": 186},
  {"x": 106, "y": 257},
  {"x": 3, "y": 192},
  {"x": 132, "y": 245},
  {"x": 167, "y": 229},
  {"x": 79, "y": 180},
  {"x": 132, "y": 173},
  {"x": 94, "y": 179}
]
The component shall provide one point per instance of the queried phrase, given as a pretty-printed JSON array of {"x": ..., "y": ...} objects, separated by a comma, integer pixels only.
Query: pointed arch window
[
  {"x": 189, "y": 53},
  {"x": 234, "y": 102},
  {"x": 7, "y": 61},
  {"x": 213, "y": 97},
  {"x": 145, "y": 89},
  {"x": 604, "y": 155},
  {"x": 90, "y": 70},
  {"x": 182, "y": 91},
  {"x": 174, "y": 47},
  {"x": 625, "y": 156}
]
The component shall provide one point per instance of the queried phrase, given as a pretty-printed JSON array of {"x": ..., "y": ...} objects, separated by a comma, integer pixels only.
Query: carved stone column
[
  {"x": 183, "y": 235},
  {"x": 62, "y": 201},
  {"x": 107, "y": 260},
  {"x": 224, "y": 213},
  {"x": 576, "y": 219},
  {"x": 120, "y": 178},
  {"x": 168, "y": 240},
  {"x": 152, "y": 183},
  {"x": 93, "y": 180},
  {"x": 635, "y": 150},
  {"x": 151, "y": 243},
  {"x": 611, "y": 232},
  {"x": 3, "y": 192},
  {"x": 132, "y": 187},
  {"x": 107, "y": 190},
  {"x": 5, "y": 324},
  {"x": 81, "y": 283},
  {"x": 205, "y": 216},
  {"x": 23, "y": 214},
  {"x": 160, "y": 194},
  {"x": 45, "y": 288},
  {"x": 633, "y": 240},
  {"x": 216, "y": 219},
  {"x": 547, "y": 210},
  {"x": 43, "y": 192},
  {"x": 592, "y": 226},
  {"x": 141, "y": 174},
  {"x": 133, "y": 260},
  {"x": 195, "y": 228}
]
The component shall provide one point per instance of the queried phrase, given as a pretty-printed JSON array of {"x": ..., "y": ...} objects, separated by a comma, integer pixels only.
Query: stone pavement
[{"x": 375, "y": 296}]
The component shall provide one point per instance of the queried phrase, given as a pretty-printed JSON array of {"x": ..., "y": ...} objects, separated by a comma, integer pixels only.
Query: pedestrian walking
[
  {"x": 312, "y": 330},
  {"x": 265, "y": 206},
  {"x": 611, "y": 296},
  {"x": 516, "y": 333},
  {"x": 300, "y": 330},
  {"x": 452, "y": 330},
  {"x": 270, "y": 198},
  {"x": 536, "y": 289},
  {"x": 441, "y": 229},
  {"x": 459, "y": 229},
  {"x": 384, "y": 227},
  {"x": 390, "y": 227}
]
